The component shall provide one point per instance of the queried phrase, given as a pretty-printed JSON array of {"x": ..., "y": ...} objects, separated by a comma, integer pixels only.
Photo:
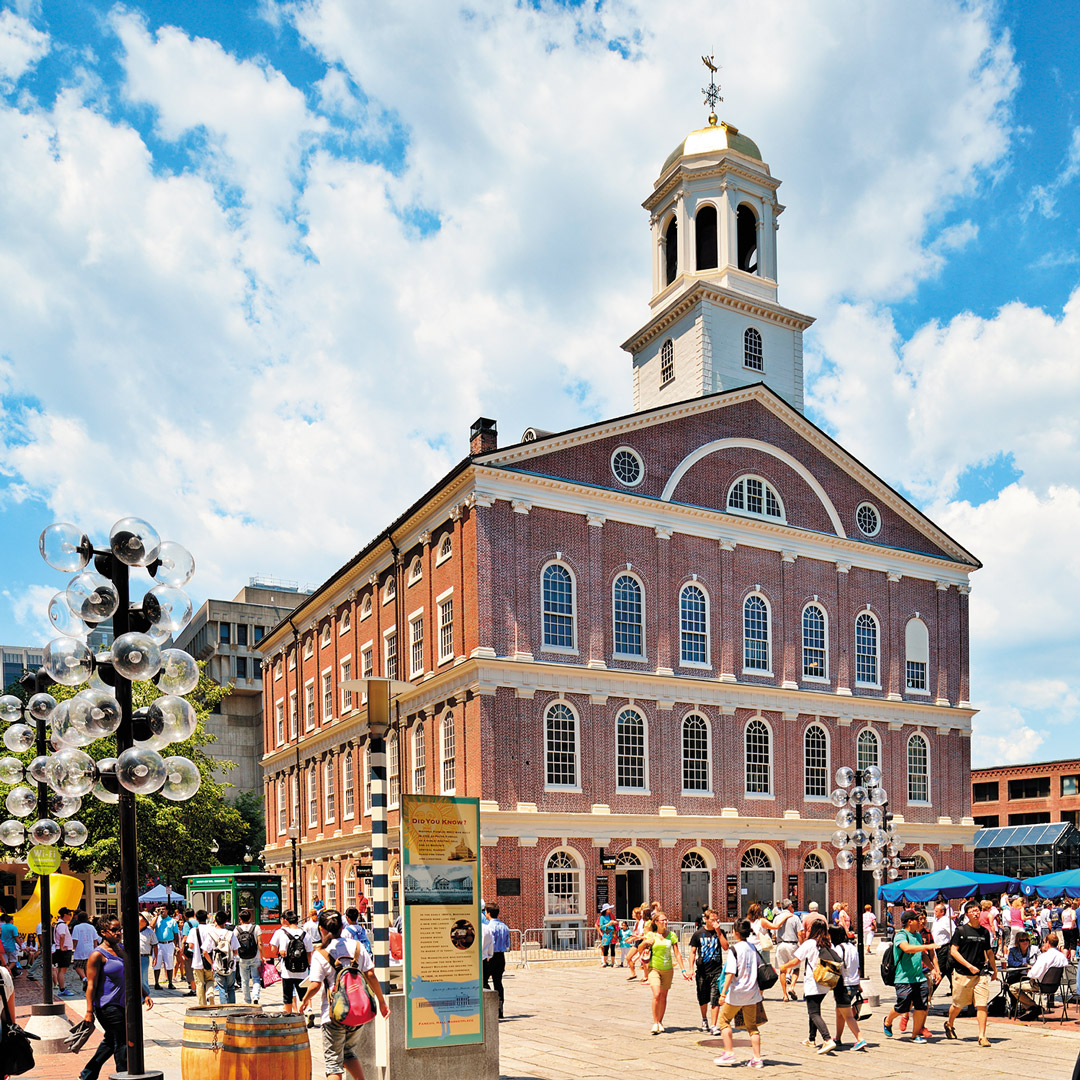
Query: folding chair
[{"x": 1048, "y": 988}]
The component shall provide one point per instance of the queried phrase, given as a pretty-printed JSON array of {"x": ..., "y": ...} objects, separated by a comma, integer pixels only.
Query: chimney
[{"x": 483, "y": 436}]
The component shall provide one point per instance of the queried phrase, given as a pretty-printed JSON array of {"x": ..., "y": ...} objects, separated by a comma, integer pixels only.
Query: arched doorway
[
  {"x": 696, "y": 886},
  {"x": 815, "y": 882},
  {"x": 757, "y": 880},
  {"x": 629, "y": 884}
]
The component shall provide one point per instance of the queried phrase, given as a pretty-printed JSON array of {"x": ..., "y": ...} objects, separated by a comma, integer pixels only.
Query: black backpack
[
  {"x": 888, "y": 966},
  {"x": 249, "y": 947},
  {"x": 296, "y": 957}
]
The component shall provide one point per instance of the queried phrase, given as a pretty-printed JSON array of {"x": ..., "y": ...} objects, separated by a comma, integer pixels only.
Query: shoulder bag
[
  {"x": 18, "y": 1054},
  {"x": 827, "y": 971},
  {"x": 766, "y": 973}
]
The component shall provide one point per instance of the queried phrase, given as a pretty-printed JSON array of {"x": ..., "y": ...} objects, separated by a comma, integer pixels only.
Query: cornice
[
  {"x": 1038, "y": 768},
  {"x": 666, "y": 183}
]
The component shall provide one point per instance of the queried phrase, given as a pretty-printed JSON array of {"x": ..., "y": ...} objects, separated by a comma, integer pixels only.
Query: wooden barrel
[
  {"x": 266, "y": 1046},
  {"x": 204, "y": 1037}
]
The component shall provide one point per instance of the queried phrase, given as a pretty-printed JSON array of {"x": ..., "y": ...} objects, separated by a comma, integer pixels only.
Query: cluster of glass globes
[
  {"x": 884, "y": 842},
  {"x": 94, "y": 712}
]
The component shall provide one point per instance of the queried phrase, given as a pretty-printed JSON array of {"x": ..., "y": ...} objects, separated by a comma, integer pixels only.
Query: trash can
[
  {"x": 266, "y": 1046},
  {"x": 204, "y": 1037}
]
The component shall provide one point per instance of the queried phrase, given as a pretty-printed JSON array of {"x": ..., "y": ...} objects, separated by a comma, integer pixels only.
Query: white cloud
[
  {"x": 21, "y": 46},
  {"x": 1044, "y": 197},
  {"x": 30, "y": 606}
]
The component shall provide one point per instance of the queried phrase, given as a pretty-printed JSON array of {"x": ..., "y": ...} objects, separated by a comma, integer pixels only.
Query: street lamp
[
  {"x": 294, "y": 836},
  {"x": 105, "y": 708},
  {"x": 860, "y": 800}
]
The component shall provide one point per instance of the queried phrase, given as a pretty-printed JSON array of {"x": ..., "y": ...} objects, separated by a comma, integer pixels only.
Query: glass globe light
[
  {"x": 63, "y": 806},
  {"x": 893, "y": 873},
  {"x": 845, "y": 777},
  {"x": 167, "y": 607},
  {"x": 135, "y": 656},
  {"x": 872, "y": 776},
  {"x": 65, "y": 729},
  {"x": 64, "y": 620},
  {"x": 56, "y": 743},
  {"x": 179, "y": 672},
  {"x": 134, "y": 541},
  {"x": 182, "y": 779},
  {"x": 875, "y": 859},
  {"x": 859, "y": 795},
  {"x": 40, "y": 769},
  {"x": 140, "y": 770},
  {"x": 873, "y": 816},
  {"x": 103, "y": 712},
  {"x": 11, "y": 708},
  {"x": 845, "y": 818},
  {"x": 845, "y": 860},
  {"x": 19, "y": 738},
  {"x": 75, "y": 773},
  {"x": 107, "y": 789},
  {"x": 879, "y": 796},
  {"x": 838, "y": 797},
  {"x": 64, "y": 547},
  {"x": 878, "y": 875},
  {"x": 75, "y": 833},
  {"x": 177, "y": 567},
  {"x": 11, "y": 770},
  {"x": 158, "y": 635},
  {"x": 21, "y": 801},
  {"x": 68, "y": 661},
  {"x": 173, "y": 717},
  {"x": 880, "y": 837},
  {"x": 156, "y": 740},
  {"x": 92, "y": 597},
  {"x": 892, "y": 850},
  {"x": 96, "y": 682},
  {"x": 12, "y": 832},
  {"x": 40, "y": 706},
  {"x": 840, "y": 839},
  {"x": 859, "y": 838},
  {"x": 102, "y": 793},
  {"x": 45, "y": 831}
]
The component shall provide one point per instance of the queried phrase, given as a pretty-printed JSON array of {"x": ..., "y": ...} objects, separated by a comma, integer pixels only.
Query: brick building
[
  {"x": 1026, "y": 794},
  {"x": 656, "y": 636}
]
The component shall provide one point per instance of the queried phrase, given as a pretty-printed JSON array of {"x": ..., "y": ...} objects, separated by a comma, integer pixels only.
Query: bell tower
[{"x": 716, "y": 322}]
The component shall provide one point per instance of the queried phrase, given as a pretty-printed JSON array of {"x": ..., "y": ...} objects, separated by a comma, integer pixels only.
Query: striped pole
[{"x": 380, "y": 868}]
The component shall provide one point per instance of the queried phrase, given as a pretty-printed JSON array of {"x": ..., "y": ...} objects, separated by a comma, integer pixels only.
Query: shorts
[
  {"x": 844, "y": 994},
  {"x": 61, "y": 958},
  {"x": 661, "y": 980},
  {"x": 1069, "y": 936},
  {"x": 752, "y": 1016},
  {"x": 706, "y": 988},
  {"x": 165, "y": 951},
  {"x": 970, "y": 990},
  {"x": 911, "y": 996},
  {"x": 785, "y": 953},
  {"x": 339, "y": 1043},
  {"x": 291, "y": 988}
]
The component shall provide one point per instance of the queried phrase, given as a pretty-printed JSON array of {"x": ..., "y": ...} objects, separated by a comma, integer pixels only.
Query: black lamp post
[{"x": 294, "y": 836}]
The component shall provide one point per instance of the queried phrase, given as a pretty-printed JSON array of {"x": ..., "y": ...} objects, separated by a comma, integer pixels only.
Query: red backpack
[{"x": 351, "y": 1002}]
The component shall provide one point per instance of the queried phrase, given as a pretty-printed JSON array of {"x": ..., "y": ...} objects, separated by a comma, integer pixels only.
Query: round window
[
  {"x": 868, "y": 519},
  {"x": 627, "y": 466}
]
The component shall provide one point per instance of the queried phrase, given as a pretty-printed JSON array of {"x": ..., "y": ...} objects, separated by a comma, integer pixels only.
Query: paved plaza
[{"x": 565, "y": 1023}]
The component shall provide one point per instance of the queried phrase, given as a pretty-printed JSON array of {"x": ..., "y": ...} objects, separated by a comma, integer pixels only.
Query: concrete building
[
  {"x": 1034, "y": 794},
  {"x": 656, "y": 636},
  {"x": 227, "y": 634},
  {"x": 18, "y": 659}
]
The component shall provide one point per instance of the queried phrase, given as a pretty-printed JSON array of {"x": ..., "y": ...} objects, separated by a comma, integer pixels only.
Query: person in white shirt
[
  {"x": 249, "y": 957},
  {"x": 848, "y": 991},
  {"x": 201, "y": 944},
  {"x": 85, "y": 939},
  {"x": 63, "y": 946},
  {"x": 292, "y": 977},
  {"x": 341, "y": 1043},
  {"x": 223, "y": 958},
  {"x": 1049, "y": 958},
  {"x": 739, "y": 992},
  {"x": 942, "y": 929}
]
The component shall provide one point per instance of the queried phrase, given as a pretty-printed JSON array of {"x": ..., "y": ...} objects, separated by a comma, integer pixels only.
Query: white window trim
[
  {"x": 707, "y": 666},
  {"x": 827, "y": 677},
  {"x": 762, "y": 673},
  {"x": 395, "y": 739},
  {"x": 389, "y": 591},
  {"x": 366, "y": 608},
  {"x": 828, "y": 764},
  {"x": 646, "y": 790},
  {"x": 908, "y": 658},
  {"x": 322, "y": 695},
  {"x": 448, "y": 594},
  {"x": 386, "y": 635},
  {"x": 635, "y": 658},
  {"x": 294, "y": 715},
  {"x": 761, "y": 342},
  {"x": 280, "y": 740},
  {"x": 309, "y": 647},
  {"x": 771, "y": 793},
  {"x": 565, "y": 650},
  {"x": 292, "y": 659},
  {"x": 277, "y": 669},
  {"x": 877, "y": 515},
  {"x": 442, "y": 747},
  {"x": 415, "y": 617},
  {"x": 282, "y": 805},
  {"x": 583, "y": 902},
  {"x": 314, "y": 706},
  {"x": 329, "y": 812},
  {"x": 416, "y": 571},
  {"x": 877, "y": 738},
  {"x": 928, "y": 801},
  {"x": 691, "y": 793},
  {"x": 440, "y": 558},
  {"x": 855, "y": 650},
  {"x": 633, "y": 453},
  {"x": 365, "y": 788},
  {"x": 782, "y": 519},
  {"x": 346, "y": 814},
  {"x": 326, "y": 636},
  {"x": 342, "y": 661},
  {"x": 576, "y": 785},
  {"x": 345, "y": 622}
]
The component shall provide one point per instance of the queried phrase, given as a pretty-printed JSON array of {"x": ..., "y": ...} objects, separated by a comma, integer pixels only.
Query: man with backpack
[
  {"x": 904, "y": 964},
  {"x": 198, "y": 941},
  {"x": 248, "y": 957},
  {"x": 292, "y": 948},
  {"x": 740, "y": 992},
  {"x": 222, "y": 958},
  {"x": 345, "y": 973}
]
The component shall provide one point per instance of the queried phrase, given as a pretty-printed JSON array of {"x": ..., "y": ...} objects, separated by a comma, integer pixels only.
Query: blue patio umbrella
[
  {"x": 949, "y": 885},
  {"x": 1063, "y": 883}
]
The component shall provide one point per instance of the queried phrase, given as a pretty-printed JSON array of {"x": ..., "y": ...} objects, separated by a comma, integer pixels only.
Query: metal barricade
[
  {"x": 559, "y": 943},
  {"x": 514, "y": 954}
]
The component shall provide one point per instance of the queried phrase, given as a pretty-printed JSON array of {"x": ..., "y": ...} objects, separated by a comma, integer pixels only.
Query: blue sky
[{"x": 256, "y": 257}]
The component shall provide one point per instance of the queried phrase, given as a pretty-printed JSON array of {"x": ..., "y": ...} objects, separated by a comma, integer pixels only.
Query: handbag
[
  {"x": 15, "y": 1046},
  {"x": 269, "y": 974},
  {"x": 766, "y": 973},
  {"x": 827, "y": 972}
]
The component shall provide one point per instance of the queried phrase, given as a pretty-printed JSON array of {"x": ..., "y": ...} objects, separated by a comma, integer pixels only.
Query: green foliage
[{"x": 173, "y": 839}]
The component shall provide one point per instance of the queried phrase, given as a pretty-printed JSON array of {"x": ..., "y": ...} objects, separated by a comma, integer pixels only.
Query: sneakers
[
  {"x": 704, "y": 1024},
  {"x": 656, "y": 1029},
  {"x": 724, "y": 1060},
  {"x": 755, "y": 1063},
  {"x": 860, "y": 1045},
  {"x": 888, "y": 1031},
  {"x": 927, "y": 1034},
  {"x": 950, "y": 1031},
  {"x": 920, "y": 1039},
  {"x": 714, "y": 1031},
  {"x": 827, "y": 1047},
  {"x": 662, "y": 1029},
  {"x": 810, "y": 1043},
  {"x": 904, "y": 1021}
]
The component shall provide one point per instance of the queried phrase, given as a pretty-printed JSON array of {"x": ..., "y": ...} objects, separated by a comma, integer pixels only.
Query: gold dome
[{"x": 711, "y": 140}]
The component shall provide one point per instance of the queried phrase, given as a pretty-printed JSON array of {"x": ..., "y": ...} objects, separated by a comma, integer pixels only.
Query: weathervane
[{"x": 712, "y": 91}]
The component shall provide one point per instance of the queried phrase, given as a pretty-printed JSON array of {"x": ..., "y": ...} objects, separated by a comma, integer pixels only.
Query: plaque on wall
[
  {"x": 732, "y": 896},
  {"x": 602, "y": 895},
  {"x": 508, "y": 886}
]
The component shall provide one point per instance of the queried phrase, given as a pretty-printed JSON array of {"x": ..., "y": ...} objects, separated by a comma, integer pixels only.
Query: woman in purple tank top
[{"x": 105, "y": 999}]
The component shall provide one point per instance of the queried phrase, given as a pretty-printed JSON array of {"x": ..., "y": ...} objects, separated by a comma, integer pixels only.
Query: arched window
[
  {"x": 868, "y": 749},
  {"x": 755, "y": 634},
  {"x": 326, "y": 634},
  {"x": 917, "y": 641},
  {"x": 365, "y": 607},
  {"x": 919, "y": 866},
  {"x": 866, "y": 650},
  {"x": 331, "y": 887},
  {"x": 329, "y": 790},
  {"x": 918, "y": 770},
  {"x": 693, "y": 860},
  {"x": 752, "y": 495},
  {"x": 813, "y": 862},
  {"x": 389, "y": 590},
  {"x": 393, "y": 769},
  {"x": 563, "y": 877},
  {"x": 815, "y": 659},
  {"x": 449, "y": 761},
  {"x": 630, "y": 767},
  {"x": 561, "y": 747},
  {"x": 746, "y": 230},
  {"x": 446, "y": 548},
  {"x": 705, "y": 238},
  {"x": 628, "y": 611},
  {"x": 671, "y": 251},
  {"x": 282, "y": 808},
  {"x": 815, "y": 762},
  {"x": 693, "y": 625},
  {"x": 419, "y": 761},
  {"x": 416, "y": 570},
  {"x": 758, "y": 758},
  {"x": 558, "y": 607},
  {"x": 348, "y": 792},
  {"x": 294, "y": 799},
  {"x": 755, "y": 859},
  {"x": 695, "y": 754},
  {"x": 313, "y": 797},
  {"x": 753, "y": 354},
  {"x": 667, "y": 362}
]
